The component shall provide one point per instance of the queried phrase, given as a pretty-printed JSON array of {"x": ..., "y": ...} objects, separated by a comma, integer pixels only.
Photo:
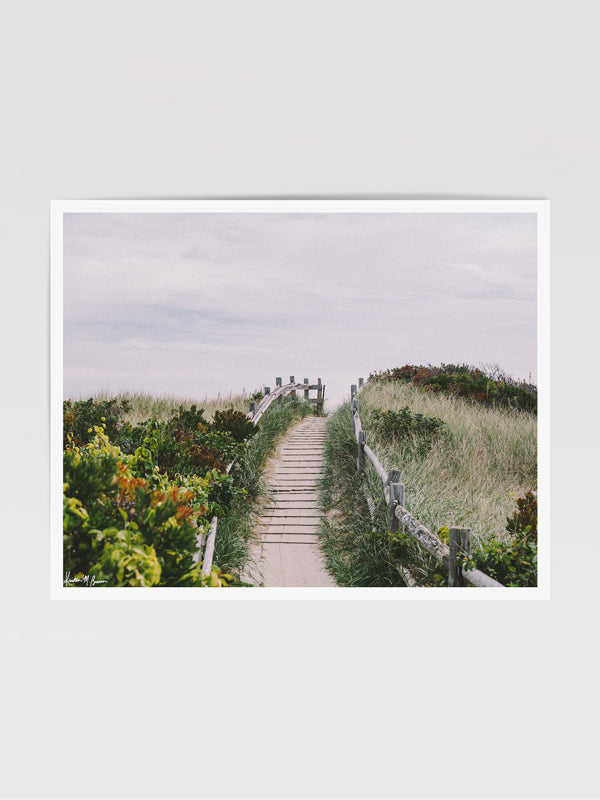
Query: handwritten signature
[{"x": 87, "y": 580}]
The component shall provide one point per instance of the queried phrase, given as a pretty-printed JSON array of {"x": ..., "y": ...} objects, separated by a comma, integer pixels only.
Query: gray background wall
[{"x": 303, "y": 698}]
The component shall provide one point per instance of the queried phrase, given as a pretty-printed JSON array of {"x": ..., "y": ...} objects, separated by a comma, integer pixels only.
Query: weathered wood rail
[
  {"x": 206, "y": 542},
  {"x": 257, "y": 411},
  {"x": 393, "y": 491}
]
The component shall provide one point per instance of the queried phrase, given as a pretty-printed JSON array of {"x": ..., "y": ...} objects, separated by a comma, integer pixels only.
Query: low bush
[
  {"x": 138, "y": 497},
  {"x": 235, "y": 423},
  {"x": 127, "y": 525},
  {"x": 82, "y": 416},
  {"x": 512, "y": 560},
  {"x": 184, "y": 444},
  {"x": 417, "y": 431}
]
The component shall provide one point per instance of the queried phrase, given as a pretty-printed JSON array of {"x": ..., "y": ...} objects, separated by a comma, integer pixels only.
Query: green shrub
[
  {"x": 80, "y": 418},
  {"x": 136, "y": 498},
  {"x": 188, "y": 419},
  {"x": 525, "y": 518},
  {"x": 183, "y": 451},
  {"x": 127, "y": 526},
  {"x": 513, "y": 562},
  {"x": 125, "y": 560},
  {"x": 186, "y": 444},
  {"x": 415, "y": 430},
  {"x": 234, "y": 422}
]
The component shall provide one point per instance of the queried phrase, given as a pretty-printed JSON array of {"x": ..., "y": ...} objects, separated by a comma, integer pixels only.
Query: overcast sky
[{"x": 193, "y": 304}]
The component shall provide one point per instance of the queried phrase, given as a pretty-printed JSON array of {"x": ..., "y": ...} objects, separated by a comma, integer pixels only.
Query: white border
[{"x": 539, "y": 207}]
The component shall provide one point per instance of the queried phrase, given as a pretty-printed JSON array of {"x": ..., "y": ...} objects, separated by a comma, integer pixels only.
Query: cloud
[{"x": 144, "y": 294}]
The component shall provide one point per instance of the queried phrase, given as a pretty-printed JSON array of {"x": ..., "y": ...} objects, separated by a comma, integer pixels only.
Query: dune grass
[
  {"x": 469, "y": 476},
  {"x": 484, "y": 458},
  {"x": 357, "y": 547},
  {"x": 161, "y": 407}
]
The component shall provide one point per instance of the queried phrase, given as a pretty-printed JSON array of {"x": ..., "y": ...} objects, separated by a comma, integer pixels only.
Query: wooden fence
[
  {"x": 206, "y": 542},
  {"x": 393, "y": 491},
  {"x": 257, "y": 410}
]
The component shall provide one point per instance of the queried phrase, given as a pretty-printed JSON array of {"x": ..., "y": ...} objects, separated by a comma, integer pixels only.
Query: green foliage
[
  {"x": 185, "y": 451},
  {"x": 525, "y": 518},
  {"x": 416, "y": 431},
  {"x": 184, "y": 444},
  {"x": 128, "y": 528},
  {"x": 513, "y": 562},
  {"x": 124, "y": 560},
  {"x": 80, "y": 418},
  {"x": 136, "y": 498},
  {"x": 188, "y": 419},
  {"x": 495, "y": 388},
  {"x": 235, "y": 423},
  {"x": 443, "y": 534}
]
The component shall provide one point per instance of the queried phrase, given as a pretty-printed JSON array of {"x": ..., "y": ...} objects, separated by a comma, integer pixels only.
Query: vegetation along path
[{"x": 288, "y": 552}]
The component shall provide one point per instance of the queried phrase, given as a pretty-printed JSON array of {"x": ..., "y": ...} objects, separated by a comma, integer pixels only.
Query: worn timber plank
[{"x": 287, "y": 552}]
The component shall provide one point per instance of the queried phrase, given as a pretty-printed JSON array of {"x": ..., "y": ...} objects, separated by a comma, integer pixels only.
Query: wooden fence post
[
  {"x": 306, "y": 390},
  {"x": 361, "y": 383},
  {"x": 396, "y": 498},
  {"x": 352, "y": 391},
  {"x": 319, "y": 395},
  {"x": 267, "y": 390},
  {"x": 279, "y": 382},
  {"x": 360, "y": 461},
  {"x": 293, "y": 380},
  {"x": 393, "y": 477},
  {"x": 460, "y": 544},
  {"x": 252, "y": 406},
  {"x": 353, "y": 410}
]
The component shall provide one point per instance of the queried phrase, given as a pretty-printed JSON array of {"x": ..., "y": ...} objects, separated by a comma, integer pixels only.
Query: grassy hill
[{"x": 465, "y": 455}]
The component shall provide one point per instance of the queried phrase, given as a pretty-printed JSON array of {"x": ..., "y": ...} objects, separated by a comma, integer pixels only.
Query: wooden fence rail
[
  {"x": 393, "y": 492},
  {"x": 206, "y": 542}
]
